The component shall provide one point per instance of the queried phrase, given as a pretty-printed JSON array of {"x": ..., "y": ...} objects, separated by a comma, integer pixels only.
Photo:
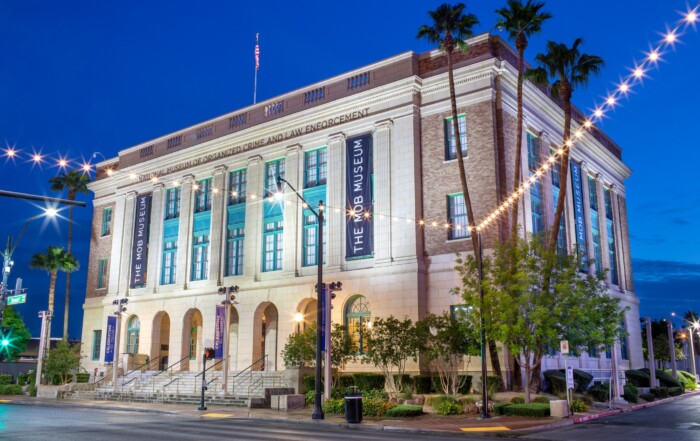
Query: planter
[
  {"x": 295, "y": 377},
  {"x": 50, "y": 392}
]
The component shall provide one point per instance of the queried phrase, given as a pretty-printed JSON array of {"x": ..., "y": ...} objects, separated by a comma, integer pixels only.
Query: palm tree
[
  {"x": 75, "y": 182},
  {"x": 56, "y": 259},
  {"x": 570, "y": 69},
  {"x": 520, "y": 21}
]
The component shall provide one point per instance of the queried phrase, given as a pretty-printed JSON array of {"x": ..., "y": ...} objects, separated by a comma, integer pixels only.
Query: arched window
[
  {"x": 357, "y": 319},
  {"x": 132, "y": 335},
  {"x": 193, "y": 340}
]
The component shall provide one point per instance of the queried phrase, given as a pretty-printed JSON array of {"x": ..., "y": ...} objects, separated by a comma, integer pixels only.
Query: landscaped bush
[
  {"x": 600, "y": 392},
  {"x": 23, "y": 379},
  {"x": 374, "y": 407},
  {"x": 493, "y": 385},
  {"x": 466, "y": 384},
  {"x": 5, "y": 378},
  {"x": 447, "y": 407},
  {"x": 556, "y": 380},
  {"x": 423, "y": 384},
  {"x": 667, "y": 379},
  {"x": 675, "y": 391},
  {"x": 517, "y": 400},
  {"x": 637, "y": 377},
  {"x": 541, "y": 400},
  {"x": 309, "y": 382},
  {"x": 334, "y": 405},
  {"x": 631, "y": 393},
  {"x": 368, "y": 381},
  {"x": 435, "y": 400},
  {"x": 585, "y": 398},
  {"x": 345, "y": 381},
  {"x": 527, "y": 410},
  {"x": 405, "y": 410},
  {"x": 310, "y": 396},
  {"x": 500, "y": 408},
  {"x": 647, "y": 397},
  {"x": 375, "y": 394},
  {"x": 406, "y": 380},
  {"x": 10, "y": 389},
  {"x": 579, "y": 406},
  {"x": 659, "y": 392}
]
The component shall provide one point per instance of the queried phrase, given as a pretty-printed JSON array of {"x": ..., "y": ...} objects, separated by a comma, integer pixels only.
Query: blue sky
[{"x": 81, "y": 77}]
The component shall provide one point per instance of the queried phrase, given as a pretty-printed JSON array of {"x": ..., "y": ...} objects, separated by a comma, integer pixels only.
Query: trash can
[{"x": 353, "y": 405}]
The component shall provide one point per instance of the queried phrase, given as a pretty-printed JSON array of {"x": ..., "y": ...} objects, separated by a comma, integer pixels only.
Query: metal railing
[
  {"x": 206, "y": 370},
  {"x": 121, "y": 392},
  {"x": 247, "y": 373},
  {"x": 168, "y": 370},
  {"x": 177, "y": 390}
]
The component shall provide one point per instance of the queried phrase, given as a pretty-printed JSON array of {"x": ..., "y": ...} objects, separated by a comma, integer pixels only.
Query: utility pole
[
  {"x": 672, "y": 349},
  {"x": 45, "y": 326},
  {"x": 653, "y": 382}
]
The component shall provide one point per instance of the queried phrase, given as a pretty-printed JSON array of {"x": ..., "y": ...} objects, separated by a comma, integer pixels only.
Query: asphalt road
[
  {"x": 53, "y": 423},
  {"x": 675, "y": 421}
]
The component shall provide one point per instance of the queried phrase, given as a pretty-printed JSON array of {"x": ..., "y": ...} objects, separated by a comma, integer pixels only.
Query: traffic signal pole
[{"x": 204, "y": 380}]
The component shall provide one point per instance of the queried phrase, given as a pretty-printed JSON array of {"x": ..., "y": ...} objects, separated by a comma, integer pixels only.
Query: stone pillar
[
  {"x": 548, "y": 205},
  {"x": 602, "y": 225},
  {"x": 184, "y": 241},
  {"x": 125, "y": 271},
  {"x": 155, "y": 237},
  {"x": 292, "y": 211},
  {"x": 624, "y": 229},
  {"x": 335, "y": 189},
  {"x": 253, "y": 218},
  {"x": 590, "y": 252},
  {"x": 382, "y": 192},
  {"x": 118, "y": 223},
  {"x": 217, "y": 229},
  {"x": 620, "y": 257}
]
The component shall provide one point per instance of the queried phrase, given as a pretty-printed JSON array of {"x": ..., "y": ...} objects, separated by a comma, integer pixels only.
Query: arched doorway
[
  {"x": 233, "y": 340},
  {"x": 265, "y": 324},
  {"x": 357, "y": 320},
  {"x": 305, "y": 314},
  {"x": 133, "y": 330},
  {"x": 160, "y": 341},
  {"x": 192, "y": 340}
]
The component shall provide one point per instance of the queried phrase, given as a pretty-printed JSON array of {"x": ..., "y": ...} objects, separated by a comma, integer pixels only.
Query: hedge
[
  {"x": 659, "y": 392},
  {"x": 500, "y": 408},
  {"x": 536, "y": 410},
  {"x": 10, "y": 389},
  {"x": 368, "y": 381},
  {"x": 665, "y": 379},
  {"x": 334, "y": 406},
  {"x": 345, "y": 381},
  {"x": 423, "y": 384},
  {"x": 631, "y": 393},
  {"x": 373, "y": 407},
  {"x": 638, "y": 377},
  {"x": 557, "y": 378},
  {"x": 405, "y": 410},
  {"x": 647, "y": 397},
  {"x": 675, "y": 391},
  {"x": 6, "y": 378},
  {"x": 23, "y": 379},
  {"x": 600, "y": 392},
  {"x": 309, "y": 382},
  {"x": 405, "y": 380}
]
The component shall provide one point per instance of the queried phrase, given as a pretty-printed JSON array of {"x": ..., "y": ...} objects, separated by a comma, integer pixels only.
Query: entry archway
[
  {"x": 160, "y": 341},
  {"x": 192, "y": 340},
  {"x": 305, "y": 315},
  {"x": 265, "y": 325}
]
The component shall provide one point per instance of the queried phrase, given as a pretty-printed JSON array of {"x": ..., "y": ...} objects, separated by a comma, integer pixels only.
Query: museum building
[{"x": 181, "y": 216}]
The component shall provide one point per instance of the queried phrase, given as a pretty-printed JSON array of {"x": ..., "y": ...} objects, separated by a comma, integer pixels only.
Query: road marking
[
  {"x": 484, "y": 429},
  {"x": 218, "y": 415},
  {"x": 5, "y": 401}
]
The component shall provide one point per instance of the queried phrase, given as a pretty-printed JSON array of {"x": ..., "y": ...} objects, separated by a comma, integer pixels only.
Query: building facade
[{"x": 180, "y": 216}]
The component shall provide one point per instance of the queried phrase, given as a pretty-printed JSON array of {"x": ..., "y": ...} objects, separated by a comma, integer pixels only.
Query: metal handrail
[
  {"x": 249, "y": 371},
  {"x": 171, "y": 382},
  {"x": 263, "y": 358},
  {"x": 121, "y": 392},
  {"x": 138, "y": 368},
  {"x": 210, "y": 367},
  {"x": 172, "y": 365}
]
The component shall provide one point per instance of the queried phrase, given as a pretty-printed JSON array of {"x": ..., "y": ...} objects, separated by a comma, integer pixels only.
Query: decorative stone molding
[
  {"x": 254, "y": 160},
  {"x": 336, "y": 137},
  {"x": 293, "y": 149},
  {"x": 219, "y": 169},
  {"x": 384, "y": 124}
]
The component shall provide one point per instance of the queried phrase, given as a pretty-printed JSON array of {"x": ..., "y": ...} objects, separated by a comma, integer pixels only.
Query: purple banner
[
  {"x": 358, "y": 188},
  {"x": 577, "y": 190},
  {"x": 109, "y": 339},
  {"x": 139, "y": 248},
  {"x": 219, "y": 331},
  {"x": 323, "y": 319}
]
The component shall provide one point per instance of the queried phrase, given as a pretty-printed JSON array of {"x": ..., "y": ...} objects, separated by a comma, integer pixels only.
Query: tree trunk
[
  {"x": 517, "y": 383},
  {"x": 496, "y": 363},
  {"x": 528, "y": 372},
  {"x": 52, "y": 290},
  {"x": 71, "y": 197},
  {"x": 565, "y": 94},
  {"x": 520, "y": 44}
]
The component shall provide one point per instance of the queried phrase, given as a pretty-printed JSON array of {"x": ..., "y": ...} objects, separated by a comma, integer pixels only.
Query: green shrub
[
  {"x": 647, "y": 397},
  {"x": 23, "y": 379},
  {"x": 435, "y": 400},
  {"x": 5, "y": 378},
  {"x": 448, "y": 408},
  {"x": 423, "y": 384},
  {"x": 500, "y": 408},
  {"x": 688, "y": 380},
  {"x": 368, "y": 381},
  {"x": 334, "y": 405},
  {"x": 631, "y": 393},
  {"x": 600, "y": 392},
  {"x": 345, "y": 381},
  {"x": 10, "y": 389},
  {"x": 541, "y": 400},
  {"x": 557, "y": 381},
  {"x": 667, "y": 379},
  {"x": 406, "y": 380},
  {"x": 659, "y": 392},
  {"x": 536, "y": 410},
  {"x": 517, "y": 400},
  {"x": 585, "y": 398},
  {"x": 310, "y": 397},
  {"x": 493, "y": 385},
  {"x": 675, "y": 391},
  {"x": 374, "y": 407},
  {"x": 82, "y": 377},
  {"x": 309, "y": 382},
  {"x": 466, "y": 386},
  {"x": 405, "y": 410},
  {"x": 637, "y": 377},
  {"x": 579, "y": 406},
  {"x": 436, "y": 385}
]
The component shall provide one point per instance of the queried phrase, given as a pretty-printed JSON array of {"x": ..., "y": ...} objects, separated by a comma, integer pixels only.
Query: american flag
[{"x": 257, "y": 56}]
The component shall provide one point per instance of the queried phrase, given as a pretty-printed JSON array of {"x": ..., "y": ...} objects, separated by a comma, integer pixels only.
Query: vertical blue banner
[
  {"x": 109, "y": 339},
  {"x": 577, "y": 190},
  {"x": 358, "y": 188},
  {"x": 139, "y": 247},
  {"x": 323, "y": 320},
  {"x": 219, "y": 331}
]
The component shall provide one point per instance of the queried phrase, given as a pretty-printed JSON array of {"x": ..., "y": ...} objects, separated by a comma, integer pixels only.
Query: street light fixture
[
  {"x": 119, "y": 303},
  {"x": 230, "y": 293},
  {"x": 317, "y": 413}
]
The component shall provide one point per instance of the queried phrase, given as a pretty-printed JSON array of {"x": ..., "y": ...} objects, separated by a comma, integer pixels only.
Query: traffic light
[{"x": 209, "y": 353}]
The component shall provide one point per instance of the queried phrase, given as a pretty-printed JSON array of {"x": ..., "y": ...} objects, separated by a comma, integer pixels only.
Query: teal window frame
[
  {"x": 595, "y": 225},
  {"x": 194, "y": 331},
  {"x": 533, "y": 162},
  {"x": 610, "y": 227},
  {"x": 202, "y": 196},
  {"x": 273, "y": 244},
  {"x": 235, "y": 242},
  {"x": 357, "y": 317},
  {"x": 132, "y": 335},
  {"x": 315, "y": 167},
  {"x": 172, "y": 203},
  {"x": 273, "y": 170},
  {"x": 96, "y": 344},
  {"x": 101, "y": 273},
  {"x": 168, "y": 274},
  {"x": 200, "y": 257},
  {"x": 106, "y": 221},
  {"x": 237, "y": 186},
  {"x": 450, "y": 139},
  {"x": 457, "y": 217}
]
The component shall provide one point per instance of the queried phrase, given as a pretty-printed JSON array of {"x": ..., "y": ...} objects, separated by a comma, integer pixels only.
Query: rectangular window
[
  {"x": 533, "y": 162},
  {"x": 96, "y": 344},
  {"x": 556, "y": 186},
  {"x": 611, "y": 235},
  {"x": 172, "y": 203},
  {"x": 624, "y": 353},
  {"x": 272, "y": 244},
  {"x": 592, "y": 196},
  {"x": 457, "y": 212},
  {"x": 234, "y": 251},
  {"x": 107, "y": 221},
  {"x": 168, "y": 272},
  {"x": 102, "y": 273},
  {"x": 311, "y": 239},
  {"x": 200, "y": 257},
  {"x": 238, "y": 184},
  {"x": 273, "y": 170},
  {"x": 316, "y": 168},
  {"x": 202, "y": 196},
  {"x": 451, "y": 140}
]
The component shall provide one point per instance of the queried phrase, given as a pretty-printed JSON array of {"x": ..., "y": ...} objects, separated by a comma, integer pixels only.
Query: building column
[
  {"x": 546, "y": 182},
  {"x": 603, "y": 227},
  {"x": 216, "y": 228},
  {"x": 155, "y": 237},
  {"x": 184, "y": 241},
  {"x": 253, "y": 218},
  {"x": 590, "y": 252},
  {"x": 118, "y": 223},
  {"x": 620, "y": 257},
  {"x": 624, "y": 229},
  {"x": 382, "y": 191},
  {"x": 335, "y": 215},
  {"x": 125, "y": 260},
  {"x": 292, "y": 234}
]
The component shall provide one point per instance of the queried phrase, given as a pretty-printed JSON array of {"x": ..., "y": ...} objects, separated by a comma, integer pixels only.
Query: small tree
[
  {"x": 445, "y": 341},
  {"x": 343, "y": 350},
  {"x": 19, "y": 335},
  {"x": 62, "y": 360},
  {"x": 391, "y": 342}
]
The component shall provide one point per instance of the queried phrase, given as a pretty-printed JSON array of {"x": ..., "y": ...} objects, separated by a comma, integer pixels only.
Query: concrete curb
[{"x": 86, "y": 406}]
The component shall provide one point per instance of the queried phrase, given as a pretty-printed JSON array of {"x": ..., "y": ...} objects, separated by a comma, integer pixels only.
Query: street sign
[
  {"x": 564, "y": 347},
  {"x": 16, "y": 300},
  {"x": 569, "y": 377}
]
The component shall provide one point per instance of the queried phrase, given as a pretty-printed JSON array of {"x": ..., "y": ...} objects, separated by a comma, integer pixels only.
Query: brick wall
[{"x": 100, "y": 248}]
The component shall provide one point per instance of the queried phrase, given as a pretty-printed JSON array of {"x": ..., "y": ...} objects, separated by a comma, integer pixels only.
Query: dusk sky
[{"x": 82, "y": 77}]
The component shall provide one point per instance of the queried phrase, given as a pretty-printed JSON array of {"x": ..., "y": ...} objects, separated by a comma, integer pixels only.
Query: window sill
[
  {"x": 105, "y": 235},
  {"x": 461, "y": 239},
  {"x": 450, "y": 161}
]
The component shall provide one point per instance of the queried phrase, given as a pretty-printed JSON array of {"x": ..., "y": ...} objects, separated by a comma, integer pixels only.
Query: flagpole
[{"x": 257, "y": 66}]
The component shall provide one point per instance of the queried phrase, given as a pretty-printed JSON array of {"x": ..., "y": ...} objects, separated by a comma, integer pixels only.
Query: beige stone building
[{"x": 178, "y": 217}]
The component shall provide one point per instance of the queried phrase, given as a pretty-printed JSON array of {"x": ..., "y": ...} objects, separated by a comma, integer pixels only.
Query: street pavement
[{"x": 677, "y": 420}]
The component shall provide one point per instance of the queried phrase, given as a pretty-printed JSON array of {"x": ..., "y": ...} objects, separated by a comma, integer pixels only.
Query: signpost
[
  {"x": 16, "y": 300},
  {"x": 564, "y": 349}
]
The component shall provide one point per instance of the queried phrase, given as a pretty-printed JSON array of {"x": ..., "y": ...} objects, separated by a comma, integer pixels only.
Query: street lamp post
[
  {"x": 317, "y": 413},
  {"x": 480, "y": 272},
  {"x": 691, "y": 328},
  {"x": 672, "y": 346},
  {"x": 119, "y": 303},
  {"x": 230, "y": 299}
]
